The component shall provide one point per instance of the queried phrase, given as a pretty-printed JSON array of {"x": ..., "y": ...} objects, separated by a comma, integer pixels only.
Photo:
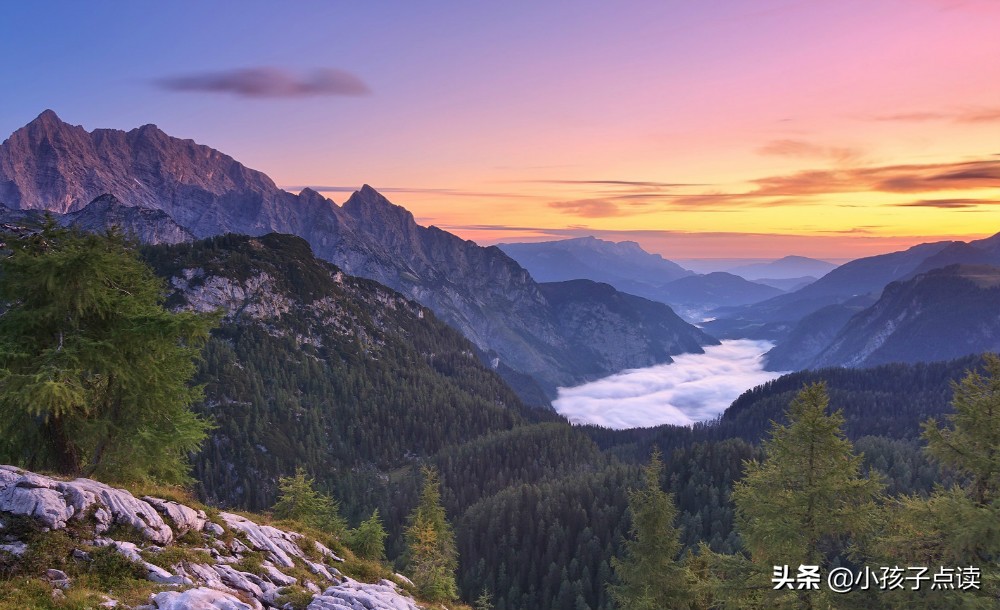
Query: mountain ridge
[{"x": 51, "y": 165}]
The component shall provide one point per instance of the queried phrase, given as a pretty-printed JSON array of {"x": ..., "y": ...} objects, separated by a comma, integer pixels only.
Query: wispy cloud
[
  {"x": 268, "y": 82},
  {"x": 888, "y": 179},
  {"x": 980, "y": 114},
  {"x": 695, "y": 387},
  {"x": 804, "y": 149},
  {"x": 950, "y": 203},
  {"x": 588, "y": 208},
  {"x": 625, "y": 183}
]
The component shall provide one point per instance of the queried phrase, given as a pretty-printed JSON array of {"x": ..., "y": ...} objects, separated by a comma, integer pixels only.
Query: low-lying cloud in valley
[{"x": 695, "y": 387}]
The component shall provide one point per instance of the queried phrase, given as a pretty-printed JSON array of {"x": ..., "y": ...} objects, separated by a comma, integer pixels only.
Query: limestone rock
[
  {"x": 278, "y": 544},
  {"x": 55, "y": 502},
  {"x": 352, "y": 595},
  {"x": 185, "y": 518},
  {"x": 198, "y": 599}
]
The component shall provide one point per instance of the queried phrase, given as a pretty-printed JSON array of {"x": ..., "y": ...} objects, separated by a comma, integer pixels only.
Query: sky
[
  {"x": 717, "y": 128},
  {"x": 694, "y": 388}
]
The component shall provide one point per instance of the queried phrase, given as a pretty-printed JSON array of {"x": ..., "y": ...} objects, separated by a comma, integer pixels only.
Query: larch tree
[
  {"x": 807, "y": 503},
  {"x": 431, "y": 554},
  {"x": 94, "y": 372},
  {"x": 957, "y": 527},
  {"x": 298, "y": 500},
  {"x": 649, "y": 574}
]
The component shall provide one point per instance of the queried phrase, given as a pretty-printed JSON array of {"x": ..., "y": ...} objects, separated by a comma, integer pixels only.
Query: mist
[{"x": 693, "y": 388}]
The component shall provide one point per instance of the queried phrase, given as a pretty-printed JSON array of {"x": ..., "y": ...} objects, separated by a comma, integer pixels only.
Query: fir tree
[
  {"x": 94, "y": 372},
  {"x": 431, "y": 554},
  {"x": 649, "y": 574}
]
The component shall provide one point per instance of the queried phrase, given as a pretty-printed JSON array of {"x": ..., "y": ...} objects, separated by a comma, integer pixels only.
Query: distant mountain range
[
  {"x": 789, "y": 267},
  {"x": 914, "y": 305},
  {"x": 629, "y": 268},
  {"x": 938, "y": 315},
  {"x": 167, "y": 190}
]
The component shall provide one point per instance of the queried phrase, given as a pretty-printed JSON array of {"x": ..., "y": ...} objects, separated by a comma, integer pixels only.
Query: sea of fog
[{"x": 693, "y": 388}]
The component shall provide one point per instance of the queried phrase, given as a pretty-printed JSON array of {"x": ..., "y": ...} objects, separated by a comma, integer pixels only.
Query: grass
[{"x": 108, "y": 573}]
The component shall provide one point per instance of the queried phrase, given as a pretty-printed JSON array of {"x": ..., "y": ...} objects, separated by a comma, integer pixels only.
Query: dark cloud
[
  {"x": 950, "y": 203},
  {"x": 803, "y": 149},
  {"x": 266, "y": 82}
]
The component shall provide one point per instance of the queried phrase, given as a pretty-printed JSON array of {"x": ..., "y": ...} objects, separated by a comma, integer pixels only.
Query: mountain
[
  {"x": 147, "y": 225},
  {"x": 716, "y": 289},
  {"x": 630, "y": 269},
  {"x": 811, "y": 336},
  {"x": 50, "y": 165},
  {"x": 614, "y": 263},
  {"x": 789, "y": 284},
  {"x": 863, "y": 276},
  {"x": 618, "y": 330},
  {"x": 942, "y": 314},
  {"x": 784, "y": 268},
  {"x": 358, "y": 372}
]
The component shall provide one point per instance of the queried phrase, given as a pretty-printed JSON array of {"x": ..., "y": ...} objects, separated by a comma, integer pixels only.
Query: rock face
[
  {"x": 217, "y": 580},
  {"x": 940, "y": 315},
  {"x": 55, "y": 502},
  {"x": 50, "y": 165}
]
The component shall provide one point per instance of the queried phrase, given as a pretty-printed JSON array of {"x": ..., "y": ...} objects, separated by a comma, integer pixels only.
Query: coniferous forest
[{"x": 327, "y": 391}]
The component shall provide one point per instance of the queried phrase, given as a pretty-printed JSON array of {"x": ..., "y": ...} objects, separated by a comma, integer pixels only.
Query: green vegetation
[
  {"x": 431, "y": 556},
  {"x": 649, "y": 574},
  {"x": 94, "y": 371},
  {"x": 368, "y": 540},
  {"x": 299, "y": 501},
  {"x": 377, "y": 408}
]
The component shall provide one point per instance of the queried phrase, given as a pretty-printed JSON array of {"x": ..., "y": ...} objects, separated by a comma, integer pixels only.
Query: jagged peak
[
  {"x": 368, "y": 197},
  {"x": 47, "y": 122},
  {"x": 47, "y": 116}
]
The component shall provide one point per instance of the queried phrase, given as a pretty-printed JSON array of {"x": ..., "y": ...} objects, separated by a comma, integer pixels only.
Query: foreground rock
[{"x": 236, "y": 563}]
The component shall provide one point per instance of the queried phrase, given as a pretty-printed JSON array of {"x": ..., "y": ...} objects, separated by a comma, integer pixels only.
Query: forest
[{"x": 366, "y": 396}]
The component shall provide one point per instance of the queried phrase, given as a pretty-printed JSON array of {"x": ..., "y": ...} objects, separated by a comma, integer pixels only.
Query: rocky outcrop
[{"x": 236, "y": 563}]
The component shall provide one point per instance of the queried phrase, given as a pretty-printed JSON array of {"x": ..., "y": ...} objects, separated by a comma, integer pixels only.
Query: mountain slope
[
  {"x": 317, "y": 368},
  {"x": 855, "y": 278},
  {"x": 943, "y": 314},
  {"x": 50, "y": 165},
  {"x": 616, "y": 330},
  {"x": 715, "y": 289}
]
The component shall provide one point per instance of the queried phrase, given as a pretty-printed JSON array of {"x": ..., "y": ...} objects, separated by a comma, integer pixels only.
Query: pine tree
[
  {"x": 649, "y": 574},
  {"x": 94, "y": 372},
  {"x": 368, "y": 540},
  {"x": 806, "y": 503},
  {"x": 431, "y": 554},
  {"x": 299, "y": 501}
]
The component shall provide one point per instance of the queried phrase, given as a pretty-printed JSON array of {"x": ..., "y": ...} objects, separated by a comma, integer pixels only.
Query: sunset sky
[{"x": 709, "y": 128}]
